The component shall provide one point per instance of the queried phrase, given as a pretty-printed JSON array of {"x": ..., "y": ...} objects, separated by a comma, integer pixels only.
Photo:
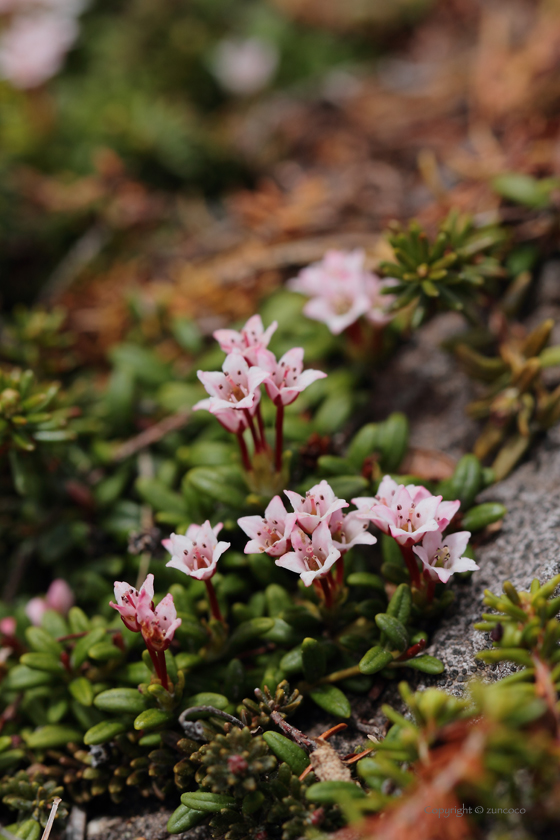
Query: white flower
[
  {"x": 251, "y": 338},
  {"x": 245, "y": 66},
  {"x": 313, "y": 556},
  {"x": 270, "y": 533},
  {"x": 197, "y": 553},
  {"x": 442, "y": 556}
]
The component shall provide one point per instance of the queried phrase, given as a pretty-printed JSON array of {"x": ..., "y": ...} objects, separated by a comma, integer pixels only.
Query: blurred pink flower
[
  {"x": 245, "y": 66},
  {"x": 33, "y": 46},
  {"x": 59, "y": 597},
  {"x": 341, "y": 290},
  {"x": 8, "y": 626}
]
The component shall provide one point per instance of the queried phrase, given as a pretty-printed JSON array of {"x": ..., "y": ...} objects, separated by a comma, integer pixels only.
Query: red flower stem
[
  {"x": 279, "y": 435},
  {"x": 356, "y": 334},
  {"x": 430, "y": 586},
  {"x": 326, "y": 592},
  {"x": 214, "y": 608},
  {"x": 155, "y": 661},
  {"x": 251, "y": 425},
  {"x": 411, "y": 564},
  {"x": 261, "y": 425},
  {"x": 163, "y": 667},
  {"x": 244, "y": 452},
  {"x": 340, "y": 572}
]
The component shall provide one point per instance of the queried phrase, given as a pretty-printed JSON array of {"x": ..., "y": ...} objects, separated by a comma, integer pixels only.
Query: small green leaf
[
  {"x": 42, "y": 662},
  {"x": 105, "y": 731},
  {"x": 10, "y": 758},
  {"x": 20, "y": 678},
  {"x": 250, "y": 630},
  {"x": 331, "y": 793},
  {"x": 81, "y": 689},
  {"x": 347, "y": 486},
  {"x": 209, "y": 803},
  {"x": 81, "y": 649},
  {"x": 401, "y": 603},
  {"x": 366, "y": 579},
  {"x": 42, "y": 642},
  {"x": 121, "y": 701},
  {"x": 50, "y": 737},
  {"x": 104, "y": 651},
  {"x": 28, "y": 830},
  {"x": 332, "y": 700},
  {"x": 481, "y": 516},
  {"x": 286, "y": 751},
  {"x": 208, "y": 698},
  {"x": 184, "y": 818},
  {"x": 375, "y": 660},
  {"x": 393, "y": 629},
  {"x": 152, "y": 718},
  {"x": 425, "y": 663}
]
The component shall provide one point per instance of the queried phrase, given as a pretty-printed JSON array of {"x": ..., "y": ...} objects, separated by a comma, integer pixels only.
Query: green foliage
[{"x": 448, "y": 270}]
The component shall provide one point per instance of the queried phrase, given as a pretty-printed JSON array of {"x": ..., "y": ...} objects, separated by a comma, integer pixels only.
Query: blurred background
[{"x": 152, "y": 152}]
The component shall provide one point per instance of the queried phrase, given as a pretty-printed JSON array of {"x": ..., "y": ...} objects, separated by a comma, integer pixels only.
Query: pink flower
[
  {"x": 235, "y": 388},
  {"x": 8, "y": 625},
  {"x": 313, "y": 556},
  {"x": 341, "y": 290},
  {"x": 251, "y": 338},
  {"x": 158, "y": 626},
  {"x": 270, "y": 533},
  {"x": 316, "y": 506},
  {"x": 127, "y": 601},
  {"x": 33, "y": 47},
  {"x": 406, "y": 513},
  {"x": 138, "y": 614},
  {"x": 230, "y": 418},
  {"x": 59, "y": 597},
  {"x": 197, "y": 553},
  {"x": 286, "y": 378},
  {"x": 349, "y": 530},
  {"x": 442, "y": 556}
]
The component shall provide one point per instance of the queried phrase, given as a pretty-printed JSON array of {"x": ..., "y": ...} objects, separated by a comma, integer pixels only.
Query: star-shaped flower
[
  {"x": 197, "y": 553},
  {"x": 138, "y": 614},
  {"x": 316, "y": 506},
  {"x": 442, "y": 556},
  {"x": 348, "y": 530},
  {"x": 313, "y": 556},
  {"x": 270, "y": 533},
  {"x": 286, "y": 377},
  {"x": 235, "y": 388},
  {"x": 249, "y": 340}
]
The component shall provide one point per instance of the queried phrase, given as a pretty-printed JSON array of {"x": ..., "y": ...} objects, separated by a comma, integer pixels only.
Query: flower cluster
[
  {"x": 235, "y": 392},
  {"x": 310, "y": 539},
  {"x": 341, "y": 290},
  {"x": 416, "y": 519},
  {"x": 157, "y": 625}
]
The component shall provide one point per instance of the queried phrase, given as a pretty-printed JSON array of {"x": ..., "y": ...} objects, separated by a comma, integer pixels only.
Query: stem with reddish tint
[
  {"x": 214, "y": 607},
  {"x": 244, "y": 452},
  {"x": 279, "y": 435},
  {"x": 326, "y": 592},
  {"x": 159, "y": 665},
  {"x": 260, "y": 423},
  {"x": 409, "y": 558},
  {"x": 430, "y": 586},
  {"x": 340, "y": 572},
  {"x": 251, "y": 425}
]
